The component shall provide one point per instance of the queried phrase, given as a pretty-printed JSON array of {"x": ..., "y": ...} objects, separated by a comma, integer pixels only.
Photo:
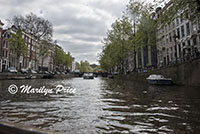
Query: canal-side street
[{"x": 103, "y": 106}]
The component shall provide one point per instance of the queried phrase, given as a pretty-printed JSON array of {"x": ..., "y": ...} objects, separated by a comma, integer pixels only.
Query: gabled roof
[{"x": 1, "y": 23}]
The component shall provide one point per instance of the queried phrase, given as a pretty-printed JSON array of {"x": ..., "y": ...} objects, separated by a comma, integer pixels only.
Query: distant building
[
  {"x": 73, "y": 66},
  {"x": 146, "y": 57},
  {"x": 5, "y": 50},
  {"x": 33, "y": 58},
  {"x": 45, "y": 62},
  {"x": 1, "y": 46},
  {"x": 77, "y": 65}
]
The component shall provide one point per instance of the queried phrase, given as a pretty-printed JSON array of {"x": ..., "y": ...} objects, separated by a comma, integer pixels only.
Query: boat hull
[
  {"x": 88, "y": 77},
  {"x": 160, "y": 82}
]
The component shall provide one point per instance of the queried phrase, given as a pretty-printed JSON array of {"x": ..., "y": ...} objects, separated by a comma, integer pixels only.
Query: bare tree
[
  {"x": 34, "y": 25},
  {"x": 38, "y": 27}
]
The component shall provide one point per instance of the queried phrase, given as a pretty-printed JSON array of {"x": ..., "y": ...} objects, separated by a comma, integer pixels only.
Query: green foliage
[
  {"x": 146, "y": 34},
  {"x": 120, "y": 40},
  {"x": 85, "y": 67},
  {"x": 18, "y": 44},
  {"x": 68, "y": 59},
  {"x": 117, "y": 44},
  {"x": 61, "y": 58},
  {"x": 137, "y": 8},
  {"x": 97, "y": 68}
]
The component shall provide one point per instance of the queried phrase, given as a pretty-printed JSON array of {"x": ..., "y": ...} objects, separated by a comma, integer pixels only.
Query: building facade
[
  {"x": 31, "y": 59},
  {"x": 5, "y": 50},
  {"x": 146, "y": 57},
  {"x": 1, "y": 52},
  {"x": 177, "y": 41}
]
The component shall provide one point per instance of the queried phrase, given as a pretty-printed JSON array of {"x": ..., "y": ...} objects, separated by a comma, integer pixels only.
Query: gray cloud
[{"x": 79, "y": 26}]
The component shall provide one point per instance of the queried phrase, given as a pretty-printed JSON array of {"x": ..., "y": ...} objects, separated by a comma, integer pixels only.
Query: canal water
[{"x": 103, "y": 106}]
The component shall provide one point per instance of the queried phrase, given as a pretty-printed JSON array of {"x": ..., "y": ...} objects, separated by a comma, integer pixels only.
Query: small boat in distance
[
  {"x": 110, "y": 76},
  {"x": 88, "y": 76},
  {"x": 159, "y": 80}
]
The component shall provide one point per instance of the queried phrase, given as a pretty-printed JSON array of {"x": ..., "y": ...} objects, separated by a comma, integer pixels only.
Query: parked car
[
  {"x": 48, "y": 75},
  {"x": 12, "y": 70},
  {"x": 62, "y": 72},
  {"x": 43, "y": 72},
  {"x": 57, "y": 72},
  {"x": 23, "y": 70},
  {"x": 32, "y": 71}
]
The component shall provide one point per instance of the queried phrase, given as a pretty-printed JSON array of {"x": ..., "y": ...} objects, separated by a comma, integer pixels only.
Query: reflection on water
[{"x": 104, "y": 106}]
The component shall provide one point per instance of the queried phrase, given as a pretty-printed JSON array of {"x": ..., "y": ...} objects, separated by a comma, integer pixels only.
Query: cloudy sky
[{"x": 79, "y": 25}]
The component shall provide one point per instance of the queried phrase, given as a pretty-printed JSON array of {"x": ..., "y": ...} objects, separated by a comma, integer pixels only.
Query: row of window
[
  {"x": 180, "y": 32},
  {"x": 192, "y": 42}
]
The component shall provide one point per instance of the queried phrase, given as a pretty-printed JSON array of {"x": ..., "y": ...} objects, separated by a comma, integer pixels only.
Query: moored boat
[
  {"x": 159, "y": 80},
  {"x": 88, "y": 76}
]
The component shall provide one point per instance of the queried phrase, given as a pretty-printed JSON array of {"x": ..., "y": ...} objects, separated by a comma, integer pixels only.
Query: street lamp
[{"x": 175, "y": 37}]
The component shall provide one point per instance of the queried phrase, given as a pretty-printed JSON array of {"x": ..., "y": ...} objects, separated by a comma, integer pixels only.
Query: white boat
[
  {"x": 88, "y": 76},
  {"x": 159, "y": 80}
]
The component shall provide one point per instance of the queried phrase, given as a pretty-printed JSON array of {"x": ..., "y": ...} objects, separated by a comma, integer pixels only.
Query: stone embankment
[
  {"x": 187, "y": 74},
  {"x": 10, "y": 76}
]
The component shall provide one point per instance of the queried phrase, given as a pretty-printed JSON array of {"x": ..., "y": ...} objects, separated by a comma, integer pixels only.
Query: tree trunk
[
  {"x": 42, "y": 63},
  {"x": 18, "y": 63}
]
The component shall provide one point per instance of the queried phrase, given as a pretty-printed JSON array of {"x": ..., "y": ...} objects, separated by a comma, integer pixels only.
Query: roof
[{"x": 1, "y": 23}]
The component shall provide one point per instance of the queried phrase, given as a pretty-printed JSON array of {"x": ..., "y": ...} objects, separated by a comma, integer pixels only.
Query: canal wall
[
  {"x": 182, "y": 74},
  {"x": 10, "y": 76}
]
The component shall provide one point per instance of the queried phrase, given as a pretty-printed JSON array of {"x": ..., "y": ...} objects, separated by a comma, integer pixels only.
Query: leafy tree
[
  {"x": 85, "y": 67},
  {"x": 18, "y": 45},
  {"x": 121, "y": 41},
  {"x": 68, "y": 59},
  {"x": 61, "y": 58},
  {"x": 44, "y": 51},
  {"x": 97, "y": 68},
  {"x": 146, "y": 34},
  {"x": 117, "y": 44}
]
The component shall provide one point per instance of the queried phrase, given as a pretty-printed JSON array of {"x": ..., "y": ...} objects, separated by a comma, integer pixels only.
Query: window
[
  {"x": 183, "y": 44},
  {"x": 177, "y": 21},
  {"x": 182, "y": 31},
  {"x": 188, "y": 42},
  {"x": 170, "y": 37},
  {"x": 188, "y": 28},
  {"x": 195, "y": 41},
  {"x": 6, "y": 44},
  {"x": 178, "y": 33}
]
